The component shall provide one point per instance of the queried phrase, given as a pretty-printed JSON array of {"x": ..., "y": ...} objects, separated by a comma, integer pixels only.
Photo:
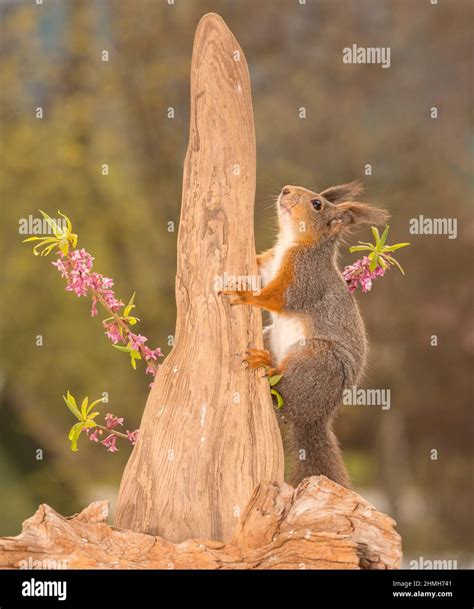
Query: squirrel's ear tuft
[
  {"x": 349, "y": 214},
  {"x": 344, "y": 192}
]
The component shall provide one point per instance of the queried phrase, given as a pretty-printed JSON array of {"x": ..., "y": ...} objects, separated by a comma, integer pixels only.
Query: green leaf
[
  {"x": 132, "y": 320},
  {"x": 393, "y": 261},
  {"x": 358, "y": 248},
  {"x": 84, "y": 404},
  {"x": 278, "y": 396},
  {"x": 68, "y": 222},
  {"x": 373, "y": 264},
  {"x": 74, "y": 434},
  {"x": 64, "y": 247},
  {"x": 71, "y": 398},
  {"x": 383, "y": 238},
  {"x": 92, "y": 416},
  {"x": 135, "y": 354},
  {"x": 121, "y": 348},
  {"x": 57, "y": 230},
  {"x": 397, "y": 246},
  {"x": 134, "y": 363},
  {"x": 382, "y": 263},
  {"x": 71, "y": 404},
  {"x": 72, "y": 431},
  {"x": 376, "y": 234},
  {"x": 273, "y": 380},
  {"x": 43, "y": 242},
  {"x": 92, "y": 404},
  {"x": 129, "y": 306},
  {"x": 47, "y": 250},
  {"x": 33, "y": 239}
]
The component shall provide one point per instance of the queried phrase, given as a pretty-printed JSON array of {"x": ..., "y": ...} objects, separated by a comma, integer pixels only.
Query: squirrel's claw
[
  {"x": 257, "y": 358},
  {"x": 235, "y": 297}
]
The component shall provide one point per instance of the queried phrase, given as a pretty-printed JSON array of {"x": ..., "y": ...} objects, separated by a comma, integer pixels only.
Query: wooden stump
[
  {"x": 208, "y": 434},
  {"x": 319, "y": 525}
]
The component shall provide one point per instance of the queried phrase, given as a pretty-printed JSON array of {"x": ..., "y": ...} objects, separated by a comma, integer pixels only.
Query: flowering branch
[
  {"x": 86, "y": 422},
  {"x": 75, "y": 265},
  {"x": 374, "y": 265}
]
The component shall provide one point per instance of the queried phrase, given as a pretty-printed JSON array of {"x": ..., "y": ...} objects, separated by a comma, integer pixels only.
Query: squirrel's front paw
[{"x": 236, "y": 297}]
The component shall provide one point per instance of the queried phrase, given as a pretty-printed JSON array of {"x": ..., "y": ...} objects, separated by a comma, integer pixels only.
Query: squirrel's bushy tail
[{"x": 315, "y": 451}]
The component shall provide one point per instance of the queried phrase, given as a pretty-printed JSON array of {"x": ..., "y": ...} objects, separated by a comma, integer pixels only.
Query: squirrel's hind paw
[{"x": 257, "y": 358}]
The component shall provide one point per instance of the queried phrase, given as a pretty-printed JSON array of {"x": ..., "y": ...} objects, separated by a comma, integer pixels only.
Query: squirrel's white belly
[{"x": 285, "y": 332}]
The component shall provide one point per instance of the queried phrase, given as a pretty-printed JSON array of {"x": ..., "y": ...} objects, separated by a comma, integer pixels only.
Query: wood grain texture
[
  {"x": 319, "y": 525},
  {"x": 208, "y": 434}
]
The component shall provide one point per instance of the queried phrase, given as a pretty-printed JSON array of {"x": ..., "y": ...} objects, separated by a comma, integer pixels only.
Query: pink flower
[
  {"x": 152, "y": 354},
  {"x": 94, "y": 307},
  {"x": 59, "y": 264},
  {"x": 109, "y": 442},
  {"x": 94, "y": 436},
  {"x": 113, "y": 331},
  {"x": 109, "y": 298},
  {"x": 360, "y": 273},
  {"x": 136, "y": 341},
  {"x": 107, "y": 283},
  {"x": 112, "y": 421},
  {"x": 76, "y": 267},
  {"x": 133, "y": 436}
]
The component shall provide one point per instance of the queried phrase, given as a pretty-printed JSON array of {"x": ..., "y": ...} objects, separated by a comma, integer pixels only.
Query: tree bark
[
  {"x": 319, "y": 525},
  {"x": 208, "y": 435}
]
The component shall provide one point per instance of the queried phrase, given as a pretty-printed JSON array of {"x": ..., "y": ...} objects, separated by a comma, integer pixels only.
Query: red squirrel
[{"x": 317, "y": 339}]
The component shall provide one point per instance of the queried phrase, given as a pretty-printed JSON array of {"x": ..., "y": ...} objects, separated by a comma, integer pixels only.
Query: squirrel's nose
[{"x": 286, "y": 190}]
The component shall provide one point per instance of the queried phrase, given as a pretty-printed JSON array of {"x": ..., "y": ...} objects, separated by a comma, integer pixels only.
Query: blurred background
[{"x": 117, "y": 112}]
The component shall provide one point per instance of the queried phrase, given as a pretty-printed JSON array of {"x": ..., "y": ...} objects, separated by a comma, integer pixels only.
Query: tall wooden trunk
[{"x": 208, "y": 434}]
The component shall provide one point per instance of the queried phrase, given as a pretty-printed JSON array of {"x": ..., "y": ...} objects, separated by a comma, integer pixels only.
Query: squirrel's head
[{"x": 316, "y": 217}]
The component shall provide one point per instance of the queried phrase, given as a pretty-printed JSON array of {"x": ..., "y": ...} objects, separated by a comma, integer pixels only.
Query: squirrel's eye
[{"x": 316, "y": 204}]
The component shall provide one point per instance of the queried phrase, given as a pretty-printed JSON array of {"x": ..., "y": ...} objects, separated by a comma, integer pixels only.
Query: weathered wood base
[{"x": 319, "y": 525}]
